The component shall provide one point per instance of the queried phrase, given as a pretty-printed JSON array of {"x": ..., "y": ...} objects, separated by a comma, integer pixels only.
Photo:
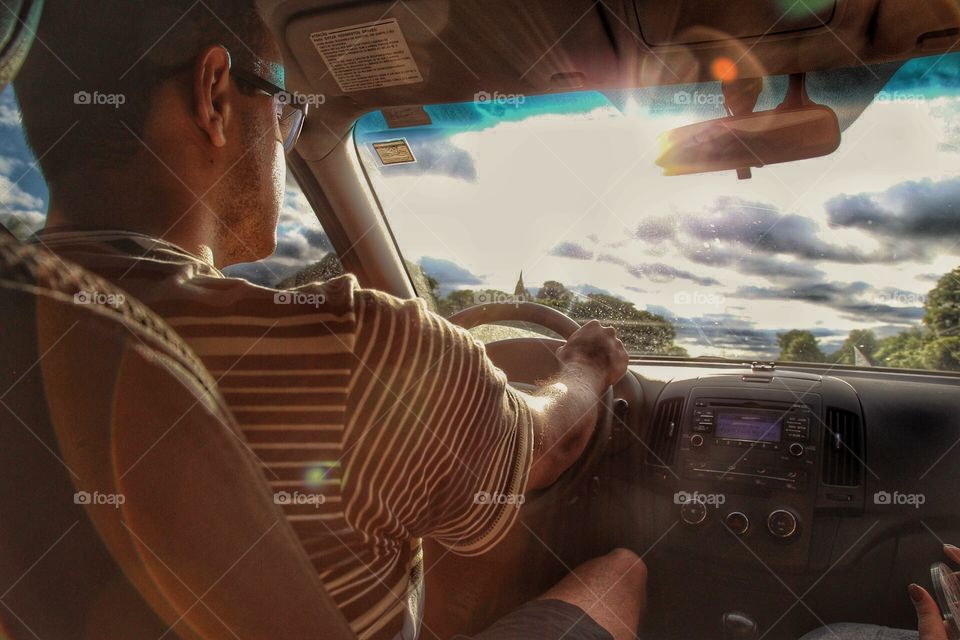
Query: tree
[
  {"x": 862, "y": 340},
  {"x": 554, "y": 294},
  {"x": 943, "y": 354},
  {"x": 640, "y": 331},
  {"x": 455, "y": 301},
  {"x": 799, "y": 346},
  {"x": 904, "y": 350},
  {"x": 943, "y": 306}
]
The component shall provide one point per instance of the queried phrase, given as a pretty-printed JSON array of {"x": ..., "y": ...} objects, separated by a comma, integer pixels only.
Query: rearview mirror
[{"x": 739, "y": 142}]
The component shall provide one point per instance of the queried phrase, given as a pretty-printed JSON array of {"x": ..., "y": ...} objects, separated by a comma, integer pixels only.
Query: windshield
[{"x": 850, "y": 258}]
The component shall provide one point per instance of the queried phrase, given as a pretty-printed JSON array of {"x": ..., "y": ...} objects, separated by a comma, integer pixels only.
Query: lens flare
[
  {"x": 724, "y": 69},
  {"x": 319, "y": 474}
]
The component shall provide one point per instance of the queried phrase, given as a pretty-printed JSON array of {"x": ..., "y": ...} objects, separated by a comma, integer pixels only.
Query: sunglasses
[{"x": 290, "y": 114}]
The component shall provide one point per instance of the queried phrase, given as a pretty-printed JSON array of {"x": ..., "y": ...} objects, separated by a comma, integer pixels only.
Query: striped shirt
[{"x": 376, "y": 422}]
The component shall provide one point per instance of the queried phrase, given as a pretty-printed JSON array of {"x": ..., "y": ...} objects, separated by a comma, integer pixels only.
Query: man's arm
[
  {"x": 440, "y": 445},
  {"x": 564, "y": 409}
]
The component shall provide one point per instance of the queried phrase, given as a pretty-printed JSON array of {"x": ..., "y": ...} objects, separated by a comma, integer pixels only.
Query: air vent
[
  {"x": 842, "y": 449},
  {"x": 666, "y": 432}
]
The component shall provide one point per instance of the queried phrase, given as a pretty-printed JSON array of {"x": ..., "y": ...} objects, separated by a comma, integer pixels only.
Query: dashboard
[
  {"x": 799, "y": 496},
  {"x": 748, "y": 459}
]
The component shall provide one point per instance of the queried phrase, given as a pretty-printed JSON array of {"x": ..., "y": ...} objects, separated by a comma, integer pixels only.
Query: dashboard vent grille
[
  {"x": 842, "y": 449},
  {"x": 666, "y": 432}
]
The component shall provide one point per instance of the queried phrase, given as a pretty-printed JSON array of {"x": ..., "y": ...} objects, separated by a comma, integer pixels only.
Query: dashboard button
[
  {"x": 782, "y": 524},
  {"x": 737, "y": 522},
  {"x": 693, "y": 512},
  {"x": 696, "y": 440},
  {"x": 796, "y": 449}
]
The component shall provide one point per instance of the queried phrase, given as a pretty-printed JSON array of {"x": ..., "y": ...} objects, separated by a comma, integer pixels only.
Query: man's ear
[{"x": 211, "y": 93}]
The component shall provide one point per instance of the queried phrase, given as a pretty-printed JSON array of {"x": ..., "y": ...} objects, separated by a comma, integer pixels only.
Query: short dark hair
[{"x": 96, "y": 64}]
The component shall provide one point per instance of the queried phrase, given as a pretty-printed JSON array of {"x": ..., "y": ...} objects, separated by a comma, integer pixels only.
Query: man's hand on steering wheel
[
  {"x": 597, "y": 349},
  {"x": 572, "y": 410},
  {"x": 566, "y": 409}
]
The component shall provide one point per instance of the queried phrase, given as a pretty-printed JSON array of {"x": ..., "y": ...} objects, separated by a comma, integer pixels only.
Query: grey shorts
[
  {"x": 849, "y": 631},
  {"x": 544, "y": 620}
]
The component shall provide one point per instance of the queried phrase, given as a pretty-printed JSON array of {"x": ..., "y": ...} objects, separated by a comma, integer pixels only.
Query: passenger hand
[
  {"x": 930, "y": 622},
  {"x": 597, "y": 348}
]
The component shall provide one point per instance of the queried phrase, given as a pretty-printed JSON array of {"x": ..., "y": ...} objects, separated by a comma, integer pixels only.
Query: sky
[{"x": 565, "y": 188}]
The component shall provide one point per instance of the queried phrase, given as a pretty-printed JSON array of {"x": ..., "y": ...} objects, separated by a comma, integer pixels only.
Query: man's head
[{"x": 153, "y": 117}]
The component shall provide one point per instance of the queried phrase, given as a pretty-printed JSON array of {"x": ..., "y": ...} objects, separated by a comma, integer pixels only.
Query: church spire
[{"x": 520, "y": 291}]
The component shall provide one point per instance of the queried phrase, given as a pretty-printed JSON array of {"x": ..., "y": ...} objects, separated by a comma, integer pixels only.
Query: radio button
[
  {"x": 797, "y": 450},
  {"x": 693, "y": 512},
  {"x": 737, "y": 522},
  {"x": 696, "y": 440},
  {"x": 782, "y": 524}
]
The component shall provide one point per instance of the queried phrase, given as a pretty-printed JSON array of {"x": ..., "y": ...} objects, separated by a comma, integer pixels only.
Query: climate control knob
[
  {"x": 782, "y": 524},
  {"x": 693, "y": 512},
  {"x": 737, "y": 522},
  {"x": 796, "y": 449}
]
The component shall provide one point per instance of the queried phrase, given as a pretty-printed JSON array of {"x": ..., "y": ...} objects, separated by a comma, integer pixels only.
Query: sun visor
[{"x": 666, "y": 23}]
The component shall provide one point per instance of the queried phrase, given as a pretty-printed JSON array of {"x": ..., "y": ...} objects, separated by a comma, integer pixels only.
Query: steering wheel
[{"x": 544, "y": 351}]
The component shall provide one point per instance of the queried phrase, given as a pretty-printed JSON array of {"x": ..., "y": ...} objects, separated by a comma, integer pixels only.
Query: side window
[
  {"x": 23, "y": 192},
  {"x": 304, "y": 253}
]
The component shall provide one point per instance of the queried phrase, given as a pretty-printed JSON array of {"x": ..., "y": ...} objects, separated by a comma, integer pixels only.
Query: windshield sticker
[
  {"x": 412, "y": 116},
  {"x": 367, "y": 56},
  {"x": 394, "y": 152}
]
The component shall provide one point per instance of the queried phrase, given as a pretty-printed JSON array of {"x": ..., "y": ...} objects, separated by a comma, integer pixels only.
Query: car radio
[{"x": 760, "y": 442}]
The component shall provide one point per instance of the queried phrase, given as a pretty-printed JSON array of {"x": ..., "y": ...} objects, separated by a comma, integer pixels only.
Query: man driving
[{"x": 376, "y": 422}]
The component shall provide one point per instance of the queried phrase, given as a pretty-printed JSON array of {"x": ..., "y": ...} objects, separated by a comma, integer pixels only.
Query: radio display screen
[{"x": 753, "y": 426}]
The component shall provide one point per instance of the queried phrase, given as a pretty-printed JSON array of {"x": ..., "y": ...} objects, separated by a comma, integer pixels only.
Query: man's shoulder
[{"x": 210, "y": 296}]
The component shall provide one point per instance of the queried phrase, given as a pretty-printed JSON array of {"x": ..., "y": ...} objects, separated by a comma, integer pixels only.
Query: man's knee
[{"x": 627, "y": 567}]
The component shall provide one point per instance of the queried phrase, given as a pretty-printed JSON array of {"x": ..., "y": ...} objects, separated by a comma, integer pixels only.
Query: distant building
[{"x": 520, "y": 292}]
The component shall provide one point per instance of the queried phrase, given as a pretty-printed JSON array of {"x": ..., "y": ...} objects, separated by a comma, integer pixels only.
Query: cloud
[
  {"x": 754, "y": 238},
  {"x": 752, "y": 226},
  {"x": 9, "y": 111},
  {"x": 725, "y": 333},
  {"x": 656, "y": 230},
  {"x": 12, "y": 195},
  {"x": 571, "y": 250},
  {"x": 910, "y": 215},
  {"x": 857, "y": 300},
  {"x": 448, "y": 273},
  {"x": 657, "y": 271}
]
